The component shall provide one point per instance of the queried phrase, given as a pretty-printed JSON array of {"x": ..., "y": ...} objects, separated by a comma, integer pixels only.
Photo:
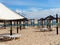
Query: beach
[
  {"x": 32, "y": 36},
  {"x": 29, "y": 22}
]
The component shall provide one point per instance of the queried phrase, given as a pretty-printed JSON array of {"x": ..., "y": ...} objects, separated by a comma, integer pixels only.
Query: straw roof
[
  {"x": 41, "y": 19},
  {"x": 7, "y": 14},
  {"x": 50, "y": 17}
]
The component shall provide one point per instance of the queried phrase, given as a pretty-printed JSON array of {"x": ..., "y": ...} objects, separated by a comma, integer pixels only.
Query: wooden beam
[
  {"x": 11, "y": 28},
  {"x": 17, "y": 26},
  {"x": 57, "y": 23},
  {"x": 47, "y": 23},
  {"x": 20, "y": 25}
]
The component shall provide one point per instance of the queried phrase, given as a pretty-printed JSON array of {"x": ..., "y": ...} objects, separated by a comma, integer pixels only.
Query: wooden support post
[
  {"x": 17, "y": 26},
  {"x": 11, "y": 28},
  {"x": 31, "y": 22},
  {"x": 57, "y": 25},
  {"x": 20, "y": 25},
  {"x": 47, "y": 23}
]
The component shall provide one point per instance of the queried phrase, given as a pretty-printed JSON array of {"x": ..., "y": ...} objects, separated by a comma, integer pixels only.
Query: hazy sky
[{"x": 34, "y": 8}]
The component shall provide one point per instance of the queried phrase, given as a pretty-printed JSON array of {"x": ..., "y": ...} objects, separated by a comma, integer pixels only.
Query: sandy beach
[
  {"x": 32, "y": 36},
  {"x": 36, "y": 14}
]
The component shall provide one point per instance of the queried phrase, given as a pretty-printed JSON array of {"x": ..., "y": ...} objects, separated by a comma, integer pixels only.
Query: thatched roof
[
  {"x": 50, "y": 17},
  {"x": 7, "y": 14},
  {"x": 41, "y": 19}
]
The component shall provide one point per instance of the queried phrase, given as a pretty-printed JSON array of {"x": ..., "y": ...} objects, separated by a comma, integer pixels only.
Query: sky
[{"x": 34, "y": 8}]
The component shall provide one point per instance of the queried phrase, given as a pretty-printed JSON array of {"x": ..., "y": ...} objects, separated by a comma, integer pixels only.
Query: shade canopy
[
  {"x": 50, "y": 17},
  {"x": 41, "y": 19},
  {"x": 7, "y": 14}
]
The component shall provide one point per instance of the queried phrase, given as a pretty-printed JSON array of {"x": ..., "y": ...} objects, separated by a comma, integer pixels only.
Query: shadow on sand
[
  {"x": 5, "y": 39},
  {"x": 44, "y": 31}
]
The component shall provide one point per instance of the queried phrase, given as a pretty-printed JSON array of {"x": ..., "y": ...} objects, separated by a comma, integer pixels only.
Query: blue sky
[
  {"x": 31, "y": 7},
  {"x": 24, "y": 4}
]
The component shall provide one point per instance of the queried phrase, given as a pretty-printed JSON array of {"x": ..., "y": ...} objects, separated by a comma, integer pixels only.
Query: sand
[{"x": 32, "y": 36}]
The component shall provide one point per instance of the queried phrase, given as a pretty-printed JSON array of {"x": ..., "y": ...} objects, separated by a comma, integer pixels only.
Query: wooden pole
[
  {"x": 34, "y": 22},
  {"x": 20, "y": 25},
  {"x": 57, "y": 25},
  {"x": 47, "y": 23},
  {"x": 11, "y": 28},
  {"x": 17, "y": 26}
]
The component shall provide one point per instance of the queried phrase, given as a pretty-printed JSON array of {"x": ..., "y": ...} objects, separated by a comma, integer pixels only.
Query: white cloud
[
  {"x": 18, "y": 11},
  {"x": 34, "y": 9},
  {"x": 39, "y": 13}
]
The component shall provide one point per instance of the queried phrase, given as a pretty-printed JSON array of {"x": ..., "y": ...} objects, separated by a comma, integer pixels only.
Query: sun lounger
[
  {"x": 10, "y": 36},
  {"x": 44, "y": 29}
]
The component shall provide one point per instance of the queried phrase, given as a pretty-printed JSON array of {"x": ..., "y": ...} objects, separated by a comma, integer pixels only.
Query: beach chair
[
  {"x": 44, "y": 29},
  {"x": 13, "y": 36}
]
